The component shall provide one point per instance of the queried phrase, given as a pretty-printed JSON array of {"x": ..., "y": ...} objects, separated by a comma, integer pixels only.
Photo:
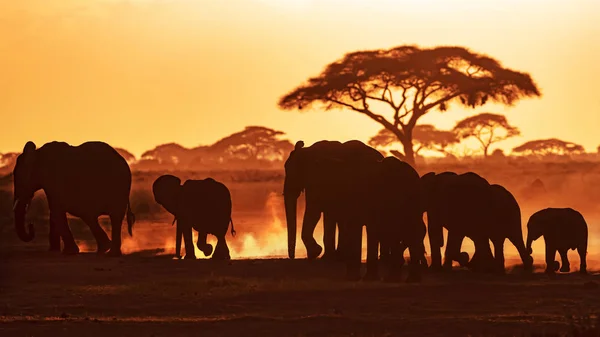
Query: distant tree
[
  {"x": 544, "y": 147},
  {"x": 498, "y": 153},
  {"x": 598, "y": 149},
  {"x": 130, "y": 158},
  {"x": 167, "y": 154},
  {"x": 254, "y": 143},
  {"x": 410, "y": 81},
  {"x": 487, "y": 128},
  {"x": 425, "y": 137}
]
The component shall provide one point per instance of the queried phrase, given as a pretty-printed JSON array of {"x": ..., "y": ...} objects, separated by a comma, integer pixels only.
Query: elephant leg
[
  {"x": 395, "y": 261},
  {"x": 311, "y": 217},
  {"x": 221, "y": 251},
  {"x": 190, "y": 253},
  {"x": 178, "y": 241},
  {"x": 372, "y": 252},
  {"x": 582, "y": 251},
  {"x": 483, "y": 259},
  {"x": 416, "y": 251},
  {"x": 202, "y": 245},
  {"x": 452, "y": 249},
  {"x": 116, "y": 222},
  {"x": 551, "y": 265},
  {"x": 353, "y": 250},
  {"x": 54, "y": 236},
  {"x": 62, "y": 226},
  {"x": 436, "y": 241},
  {"x": 565, "y": 266},
  {"x": 499, "y": 254},
  {"x": 517, "y": 241},
  {"x": 329, "y": 223},
  {"x": 102, "y": 241}
]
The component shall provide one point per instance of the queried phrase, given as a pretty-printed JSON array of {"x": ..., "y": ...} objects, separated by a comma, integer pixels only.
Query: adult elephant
[
  {"x": 461, "y": 204},
  {"x": 87, "y": 181},
  {"x": 397, "y": 222},
  {"x": 314, "y": 170},
  {"x": 505, "y": 223},
  {"x": 204, "y": 205},
  {"x": 562, "y": 229},
  {"x": 468, "y": 206}
]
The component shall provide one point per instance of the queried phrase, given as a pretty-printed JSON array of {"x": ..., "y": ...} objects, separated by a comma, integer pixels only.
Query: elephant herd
[{"x": 351, "y": 184}]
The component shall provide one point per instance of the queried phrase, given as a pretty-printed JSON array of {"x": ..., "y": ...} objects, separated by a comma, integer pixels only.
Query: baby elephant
[
  {"x": 204, "y": 205},
  {"x": 563, "y": 229}
]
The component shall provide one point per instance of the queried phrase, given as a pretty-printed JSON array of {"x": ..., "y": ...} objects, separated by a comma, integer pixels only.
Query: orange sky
[{"x": 144, "y": 72}]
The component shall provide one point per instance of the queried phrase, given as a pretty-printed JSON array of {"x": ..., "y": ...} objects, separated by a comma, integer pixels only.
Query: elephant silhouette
[
  {"x": 309, "y": 169},
  {"x": 562, "y": 229},
  {"x": 87, "y": 181},
  {"x": 204, "y": 205},
  {"x": 468, "y": 206},
  {"x": 397, "y": 209}
]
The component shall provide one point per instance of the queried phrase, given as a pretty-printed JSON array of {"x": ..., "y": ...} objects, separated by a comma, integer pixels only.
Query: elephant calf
[
  {"x": 563, "y": 229},
  {"x": 204, "y": 205}
]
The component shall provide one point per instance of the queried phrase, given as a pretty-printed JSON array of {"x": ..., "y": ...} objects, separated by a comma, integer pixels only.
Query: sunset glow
[{"x": 140, "y": 73}]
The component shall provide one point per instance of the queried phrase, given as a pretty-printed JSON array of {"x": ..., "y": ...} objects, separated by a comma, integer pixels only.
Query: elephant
[
  {"x": 204, "y": 205},
  {"x": 562, "y": 229},
  {"x": 309, "y": 169},
  {"x": 397, "y": 219},
  {"x": 468, "y": 206},
  {"x": 86, "y": 181}
]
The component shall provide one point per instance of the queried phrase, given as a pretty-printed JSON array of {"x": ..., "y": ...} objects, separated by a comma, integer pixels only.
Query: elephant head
[
  {"x": 534, "y": 231},
  {"x": 293, "y": 186},
  {"x": 26, "y": 183},
  {"x": 166, "y": 189}
]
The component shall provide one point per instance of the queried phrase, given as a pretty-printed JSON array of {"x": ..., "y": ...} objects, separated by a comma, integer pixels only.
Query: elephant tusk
[
  {"x": 15, "y": 205},
  {"x": 174, "y": 220}
]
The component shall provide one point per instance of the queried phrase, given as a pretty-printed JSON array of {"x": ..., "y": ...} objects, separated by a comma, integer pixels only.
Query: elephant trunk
[
  {"x": 528, "y": 247},
  {"x": 20, "y": 210},
  {"x": 290, "y": 215}
]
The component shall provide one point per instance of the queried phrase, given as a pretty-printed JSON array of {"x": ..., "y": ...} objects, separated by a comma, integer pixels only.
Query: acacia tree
[
  {"x": 543, "y": 147},
  {"x": 254, "y": 143},
  {"x": 425, "y": 137},
  {"x": 487, "y": 128},
  {"x": 408, "y": 82}
]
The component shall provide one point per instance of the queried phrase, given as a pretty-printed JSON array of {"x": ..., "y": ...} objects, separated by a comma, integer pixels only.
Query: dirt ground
[{"x": 48, "y": 294}]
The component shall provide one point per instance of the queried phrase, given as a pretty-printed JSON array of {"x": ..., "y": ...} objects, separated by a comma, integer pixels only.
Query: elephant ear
[
  {"x": 26, "y": 161},
  {"x": 29, "y": 147},
  {"x": 165, "y": 190}
]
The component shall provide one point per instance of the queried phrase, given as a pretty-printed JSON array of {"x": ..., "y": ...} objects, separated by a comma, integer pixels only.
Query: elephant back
[{"x": 202, "y": 198}]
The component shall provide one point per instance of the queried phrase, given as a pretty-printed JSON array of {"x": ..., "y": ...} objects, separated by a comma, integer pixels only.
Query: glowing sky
[{"x": 140, "y": 73}]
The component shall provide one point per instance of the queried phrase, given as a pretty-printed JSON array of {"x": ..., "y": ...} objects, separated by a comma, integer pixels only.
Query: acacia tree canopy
[
  {"x": 256, "y": 143},
  {"x": 544, "y": 147},
  {"x": 487, "y": 128},
  {"x": 425, "y": 137},
  {"x": 410, "y": 81}
]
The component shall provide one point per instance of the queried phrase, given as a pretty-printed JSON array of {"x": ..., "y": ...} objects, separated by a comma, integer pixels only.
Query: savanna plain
[{"x": 147, "y": 292}]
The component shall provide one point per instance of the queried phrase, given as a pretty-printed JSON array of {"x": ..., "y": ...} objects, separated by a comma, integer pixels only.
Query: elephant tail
[
  {"x": 233, "y": 232},
  {"x": 130, "y": 219}
]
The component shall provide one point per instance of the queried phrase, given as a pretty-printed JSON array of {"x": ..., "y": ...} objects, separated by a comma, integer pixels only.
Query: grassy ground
[{"x": 45, "y": 294}]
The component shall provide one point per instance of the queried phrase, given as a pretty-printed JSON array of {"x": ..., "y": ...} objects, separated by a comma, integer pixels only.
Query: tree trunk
[{"x": 409, "y": 153}]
